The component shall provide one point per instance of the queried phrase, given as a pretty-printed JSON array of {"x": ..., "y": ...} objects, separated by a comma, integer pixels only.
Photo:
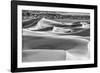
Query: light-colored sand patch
[{"x": 43, "y": 55}]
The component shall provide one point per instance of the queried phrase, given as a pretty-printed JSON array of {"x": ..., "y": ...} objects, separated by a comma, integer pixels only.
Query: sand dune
[
  {"x": 38, "y": 44},
  {"x": 50, "y": 47},
  {"x": 54, "y": 26},
  {"x": 43, "y": 23}
]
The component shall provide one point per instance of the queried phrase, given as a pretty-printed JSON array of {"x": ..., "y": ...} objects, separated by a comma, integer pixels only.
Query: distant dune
[{"x": 53, "y": 26}]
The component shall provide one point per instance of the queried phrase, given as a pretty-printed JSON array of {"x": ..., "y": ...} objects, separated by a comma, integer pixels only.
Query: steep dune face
[
  {"x": 61, "y": 30},
  {"x": 44, "y": 23},
  {"x": 30, "y": 23}
]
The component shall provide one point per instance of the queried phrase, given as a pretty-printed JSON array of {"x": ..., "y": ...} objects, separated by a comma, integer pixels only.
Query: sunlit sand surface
[
  {"x": 43, "y": 55},
  {"x": 45, "y": 46}
]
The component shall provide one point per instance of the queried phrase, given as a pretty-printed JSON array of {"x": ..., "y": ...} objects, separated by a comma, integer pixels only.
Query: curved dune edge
[
  {"x": 39, "y": 55},
  {"x": 78, "y": 53}
]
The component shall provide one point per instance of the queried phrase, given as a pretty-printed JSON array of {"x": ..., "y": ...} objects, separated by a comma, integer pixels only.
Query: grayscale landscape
[{"x": 55, "y": 36}]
